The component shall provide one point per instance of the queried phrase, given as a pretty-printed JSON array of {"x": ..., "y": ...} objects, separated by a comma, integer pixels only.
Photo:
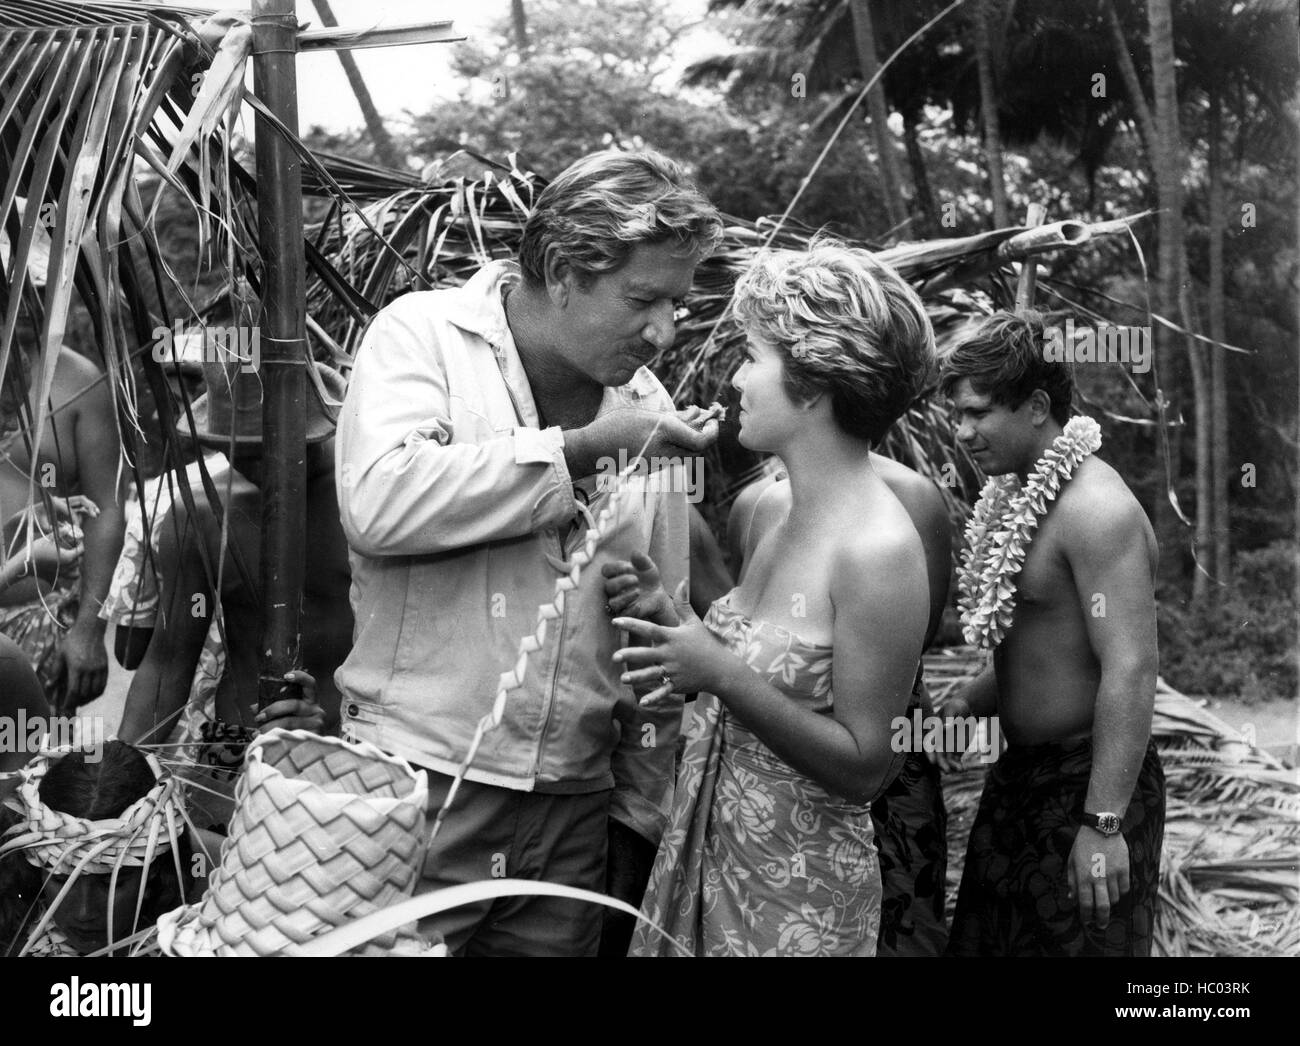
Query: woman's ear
[{"x": 809, "y": 403}]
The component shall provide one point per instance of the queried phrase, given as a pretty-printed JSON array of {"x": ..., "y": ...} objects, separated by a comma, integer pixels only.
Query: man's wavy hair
[
  {"x": 1003, "y": 358},
  {"x": 849, "y": 326},
  {"x": 605, "y": 204}
]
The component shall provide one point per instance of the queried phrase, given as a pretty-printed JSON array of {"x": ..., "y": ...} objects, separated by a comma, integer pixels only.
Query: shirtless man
[
  {"x": 1064, "y": 853},
  {"x": 78, "y": 454},
  {"x": 909, "y": 818},
  {"x": 160, "y": 686}
]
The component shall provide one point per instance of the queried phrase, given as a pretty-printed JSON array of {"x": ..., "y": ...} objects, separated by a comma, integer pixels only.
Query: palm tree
[
  {"x": 374, "y": 122},
  {"x": 1174, "y": 294},
  {"x": 833, "y": 42},
  {"x": 989, "y": 114},
  {"x": 864, "y": 35},
  {"x": 1237, "y": 79}
]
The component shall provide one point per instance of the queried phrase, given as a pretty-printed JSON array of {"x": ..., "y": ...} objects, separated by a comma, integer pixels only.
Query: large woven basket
[{"x": 324, "y": 832}]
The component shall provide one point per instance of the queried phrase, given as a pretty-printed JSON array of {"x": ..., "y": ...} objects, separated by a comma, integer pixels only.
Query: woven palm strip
[
  {"x": 1230, "y": 867},
  {"x": 323, "y": 832},
  {"x": 58, "y": 841}
]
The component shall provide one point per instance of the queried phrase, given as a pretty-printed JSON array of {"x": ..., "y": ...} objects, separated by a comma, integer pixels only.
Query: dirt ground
[{"x": 1275, "y": 724}]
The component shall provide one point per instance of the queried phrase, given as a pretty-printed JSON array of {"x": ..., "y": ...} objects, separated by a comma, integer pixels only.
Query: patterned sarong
[
  {"x": 38, "y": 627},
  {"x": 1013, "y": 898},
  {"x": 759, "y": 859}
]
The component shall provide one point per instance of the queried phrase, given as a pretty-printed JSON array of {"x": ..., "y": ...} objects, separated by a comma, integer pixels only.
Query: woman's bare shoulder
[{"x": 883, "y": 553}]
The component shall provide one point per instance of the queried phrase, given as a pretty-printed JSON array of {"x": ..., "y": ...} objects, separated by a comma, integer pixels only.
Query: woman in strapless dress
[{"x": 803, "y": 667}]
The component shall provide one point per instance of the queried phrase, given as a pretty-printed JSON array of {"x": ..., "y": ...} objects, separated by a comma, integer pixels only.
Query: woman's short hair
[
  {"x": 849, "y": 326},
  {"x": 1004, "y": 359},
  {"x": 605, "y": 204}
]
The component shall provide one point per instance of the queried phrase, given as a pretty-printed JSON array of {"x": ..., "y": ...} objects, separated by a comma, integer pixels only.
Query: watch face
[{"x": 1108, "y": 823}]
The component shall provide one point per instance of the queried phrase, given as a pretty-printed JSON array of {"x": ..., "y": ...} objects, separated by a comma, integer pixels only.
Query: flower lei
[{"x": 1001, "y": 528}]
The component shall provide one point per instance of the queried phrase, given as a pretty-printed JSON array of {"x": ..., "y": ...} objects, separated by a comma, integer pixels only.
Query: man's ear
[
  {"x": 1040, "y": 407},
  {"x": 560, "y": 277}
]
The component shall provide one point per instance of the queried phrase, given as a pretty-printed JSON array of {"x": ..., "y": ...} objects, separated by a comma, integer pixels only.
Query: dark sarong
[
  {"x": 1013, "y": 898},
  {"x": 911, "y": 830},
  {"x": 911, "y": 836}
]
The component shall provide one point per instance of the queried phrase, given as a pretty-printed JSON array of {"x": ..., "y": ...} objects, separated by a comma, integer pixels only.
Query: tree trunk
[
  {"x": 891, "y": 178},
  {"x": 1132, "y": 85},
  {"x": 374, "y": 122},
  {"x": 1218, "y": 381},
  {"x": 1174, "y": 299},
  {"x": 989, "y": 117},
  {"x": 920, "y": 179},
  {"x": 1296, "y": 537},
  {"x": 520, "y": 24}
]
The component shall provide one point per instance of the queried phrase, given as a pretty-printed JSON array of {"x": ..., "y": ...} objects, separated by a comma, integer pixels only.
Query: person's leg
[
  {"x": 475, "y": 842},
  {"x": 558, "y": 839}
]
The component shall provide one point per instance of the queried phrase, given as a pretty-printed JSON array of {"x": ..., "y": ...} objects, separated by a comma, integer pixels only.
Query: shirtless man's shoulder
[
  {"x": 919, "y": 495},
  {"x": 1097, "y": 511},
  {"x": 78, "y": 386},
  {"x": 75, "y": 372}
]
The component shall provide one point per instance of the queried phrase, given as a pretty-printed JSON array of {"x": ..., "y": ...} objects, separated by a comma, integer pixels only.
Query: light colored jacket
[{"x": 460, "y": 511}]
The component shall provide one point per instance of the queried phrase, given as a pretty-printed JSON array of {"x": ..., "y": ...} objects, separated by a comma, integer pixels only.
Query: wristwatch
[{"x": 1105, "y": 823}]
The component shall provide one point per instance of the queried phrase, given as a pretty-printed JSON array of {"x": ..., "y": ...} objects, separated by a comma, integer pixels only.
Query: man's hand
[
  {"x": 954, "y": 707},
  {"x": 634, "y": 589},
  {"x": 294, "y": 713},
  {"x": 1098, "y": 874},
  {"x": 634, "y": 431},
  {"x": 82, "y": 666}
]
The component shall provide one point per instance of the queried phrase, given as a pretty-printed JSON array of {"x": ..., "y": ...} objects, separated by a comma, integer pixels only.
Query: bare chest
[{"x": 1045, "y": 580}]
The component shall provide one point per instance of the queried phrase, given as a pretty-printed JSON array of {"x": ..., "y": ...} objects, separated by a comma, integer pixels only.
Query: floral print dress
[{"x": 759, "y": 859}]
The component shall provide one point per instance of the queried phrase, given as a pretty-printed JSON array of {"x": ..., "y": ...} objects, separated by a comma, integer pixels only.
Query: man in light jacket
[{"x": 481, "y": 431}]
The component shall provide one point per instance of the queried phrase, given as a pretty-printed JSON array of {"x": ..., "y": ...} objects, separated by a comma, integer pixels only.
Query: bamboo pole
[
  {"x": 284, "y": 350},
  {"x": 1029, "y": 267}
]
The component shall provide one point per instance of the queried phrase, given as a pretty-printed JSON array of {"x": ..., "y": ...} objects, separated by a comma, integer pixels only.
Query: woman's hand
[
  {"x": 73, "y": 508},
  {"x": 634, "y": 589},
  {"x": 678, "y": 660},
  {"x": 294, "y": 713},
  {"x": 51, "y": 553}
]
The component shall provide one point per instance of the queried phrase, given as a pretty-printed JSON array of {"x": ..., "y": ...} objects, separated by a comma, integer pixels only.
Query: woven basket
[
  {"x": 324, "y": 832},
  {"x": 58, "y": 841}
]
